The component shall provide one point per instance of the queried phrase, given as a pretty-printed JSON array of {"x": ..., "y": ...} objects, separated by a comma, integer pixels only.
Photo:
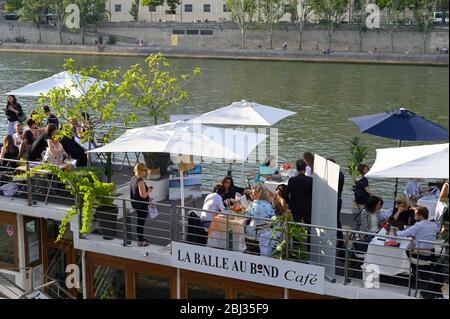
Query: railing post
[
  {"x": 29, "y": 190},
  {"x": 346, "y": 258},
  {"x": 174, "y": 222},
  {"x": 227, "y": 233},
  {"x": 80, "y": 217},
  {"x": 124, "y": 222},
  {"x": 410, "y": 268},
  {"x": 417, "y": 271}
]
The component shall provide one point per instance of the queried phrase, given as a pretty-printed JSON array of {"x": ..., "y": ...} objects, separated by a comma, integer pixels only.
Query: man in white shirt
[
  {"x": 308, "y": 157},
  {"x": 213, "y": 203},
  {"x": 423, "y": 229},
  {"x": 17, "y": 137}
]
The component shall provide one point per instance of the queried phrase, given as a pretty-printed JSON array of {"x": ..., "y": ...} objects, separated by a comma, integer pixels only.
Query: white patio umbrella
[
  {"x": 60, "y": 80},
  {"x": 186, "y": 138},
  {"x": 426, "y": 161},
  {"x": 244, "y": 113}
]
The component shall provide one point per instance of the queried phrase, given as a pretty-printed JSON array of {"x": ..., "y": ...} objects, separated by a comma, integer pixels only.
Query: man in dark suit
[{"x": 299, "y": 194}]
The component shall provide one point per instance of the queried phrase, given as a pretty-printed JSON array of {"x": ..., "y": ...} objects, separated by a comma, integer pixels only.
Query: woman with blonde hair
[{"x": 139, "y": 194}]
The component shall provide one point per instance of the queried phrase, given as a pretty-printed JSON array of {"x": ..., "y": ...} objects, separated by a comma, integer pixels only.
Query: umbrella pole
[
  {"x": 230, "y": 168},
  {"x": 243, "y": 175},
  {"x": 396, "y": 180},
  {"x": 183, "y": 212}
]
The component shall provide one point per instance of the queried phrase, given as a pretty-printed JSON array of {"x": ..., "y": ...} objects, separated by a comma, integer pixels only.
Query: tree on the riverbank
[
  {"x": 242, "y": 13},
  {"x": 423, "y": 16},
  {"x": 304, "y": 15},
  {"x": 292, "y": 9},
  {"x": 90, "y": 11},
  {"x": 57, "y": 8},
  {"x": 155, "y": 88},
  {"x": 359, "y": 18},
  {"x": 172, "y": 4},
  {"x": 134, "y": 11},
  {"x": 394, "y": 9},
  {"x": 271, "y": 12},
  {"x": 97, "y": 106},
  {"x": 330, "y": 13},
  {"x": 13, "y": 5},
  {"x": 33, "y": 11}
]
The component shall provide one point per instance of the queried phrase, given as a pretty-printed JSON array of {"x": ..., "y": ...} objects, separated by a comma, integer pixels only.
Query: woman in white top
[{"x": 55, "y": 153}]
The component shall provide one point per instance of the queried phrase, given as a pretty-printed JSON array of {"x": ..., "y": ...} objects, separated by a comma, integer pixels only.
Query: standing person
[
  {"x": 51, "y": 118},
  {"x": 361, "y": 188},
  {"x": 139, "y": 193},
  {"x": 414, "y": 190},
  {"x": 213, "y": 203},
  {"x": 14, "y": 113},
  {"x": 18, "y": 135},
  {"x": 299, "y": 194},
  {"x": 308, "y": 157}
]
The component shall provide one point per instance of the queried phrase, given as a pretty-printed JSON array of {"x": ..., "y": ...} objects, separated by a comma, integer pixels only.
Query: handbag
[
  {"x": 22, "y": 118},
  {"x": 152, "y": 210}
]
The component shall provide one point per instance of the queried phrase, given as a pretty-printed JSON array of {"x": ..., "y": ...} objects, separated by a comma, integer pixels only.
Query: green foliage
[
  {"x": 358, "y": 152},
  {"x": 292, "y": 6},
  {"x": 423, "y": 13},
  {"x": 13, "y": 5},
  {"x": 100, "y": 100},
  {"x": 134, "y": 11},
  {"x": 360, "y": 15},
  {"x": 33, "y": 11},
  {"x": 271, "y": 12},
  {"x": 330, "y": 13},
  {"x": 84, "y": 184},
  {"x": 20, "y": 39},
  {"x": 291, "y": 233},
  {"x": 242, "y": 13},
  {"x": 90, "y": 10},
  {"x": 172, "y": 4},
  {"x": 112, "y": 40},
  {"x": 155, "y": 87}
]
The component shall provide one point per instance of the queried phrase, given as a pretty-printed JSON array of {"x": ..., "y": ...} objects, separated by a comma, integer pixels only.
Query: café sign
[{"x": 264, "y": 270}]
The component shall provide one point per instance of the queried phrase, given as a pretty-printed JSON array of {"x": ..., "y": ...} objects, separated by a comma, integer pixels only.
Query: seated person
[
  {"x": 401, "y": 215},
  {"x": 8, "y": 151},
  {"x": 279, "y": 201},
  {"x": 25, "y": 146},
  {"x": 55, "y": 153},
  {"x": 370, "y": 216},
  {"x": 414, "y": 190},
  {"x": 261, "y": 208},
  {"x": 423, "y": 229},
  {"x": 40, "y": 144},
  {"x": 266, "y": 170},
  {"x": 74, "y": 150},
  {"x": 231, "y": 190},
  {"x": 442, "y": 205},
  {"x": 85, "y": 145},
  {"x": 213, "y": 203}
]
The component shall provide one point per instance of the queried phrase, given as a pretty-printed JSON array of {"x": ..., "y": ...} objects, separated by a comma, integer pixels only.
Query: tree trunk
[
  {"x": 59, "y": 29},
  {"x": 330, "y": 35},
  {"x": 83, "y": 29},
  {"x": 391, "y": 33},
  {"x": 361, "y": 37},
  {"x": 270, "y": 39},
  {"x": 39, "y": 32},
  {"x": 242, "y": 38},
  {"x": 300, "y": 35}
]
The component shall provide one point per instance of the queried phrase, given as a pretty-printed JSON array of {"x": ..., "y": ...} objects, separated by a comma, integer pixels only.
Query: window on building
[
  {"x": 188, "y": 8},
  {"x": 206, "y": 8},
  {"x": 225, "y": 8},
  {"x": 196, "y": 291},
  {"x": 32, "y": 241},
  {"x": 152, "y": 287},
  {"x": 118, "y": 8},
  {"x": 192, "y": 32},
  {"x": 286, "y": 7},
  {"x": 7, "y": 243},
  {"x": 152, "y": 8},
  {"x": 170, "y": 11},
  {"x": 108, "y": 282},
  {"x": 206, "y": 32},
  {"x": 178, "y": 32}
]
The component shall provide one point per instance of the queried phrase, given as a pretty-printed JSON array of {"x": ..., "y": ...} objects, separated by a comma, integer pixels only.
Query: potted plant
[
  {"x": 358, "y": 151},
  {"x": 92, "y": 196}
]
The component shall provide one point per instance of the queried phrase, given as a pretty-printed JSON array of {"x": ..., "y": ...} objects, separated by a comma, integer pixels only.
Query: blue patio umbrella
[{"x": 401, "y": 125}]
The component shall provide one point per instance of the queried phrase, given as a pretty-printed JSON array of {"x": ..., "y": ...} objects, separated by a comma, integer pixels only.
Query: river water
[{"x": 323, "y": 95}]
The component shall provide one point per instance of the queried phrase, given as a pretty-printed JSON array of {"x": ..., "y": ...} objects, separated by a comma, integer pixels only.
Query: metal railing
[{"x": 343, "y": 252}]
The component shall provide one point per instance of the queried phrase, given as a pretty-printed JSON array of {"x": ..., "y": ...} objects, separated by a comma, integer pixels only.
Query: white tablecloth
[
  {"x": 218, "y": 238},
  {"x": 391, "y": 261},
  {"x": 429, "y": 203}
]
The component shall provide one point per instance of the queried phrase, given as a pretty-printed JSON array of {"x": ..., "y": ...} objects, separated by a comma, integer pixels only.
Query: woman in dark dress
[
  {"x": 231, "y": 189},
  {"x": 139, "y": 193},
  {"x": 14, "y": 113},
  {"x": 362, "y": 191},
  {"x": 9, "y": 151}
]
